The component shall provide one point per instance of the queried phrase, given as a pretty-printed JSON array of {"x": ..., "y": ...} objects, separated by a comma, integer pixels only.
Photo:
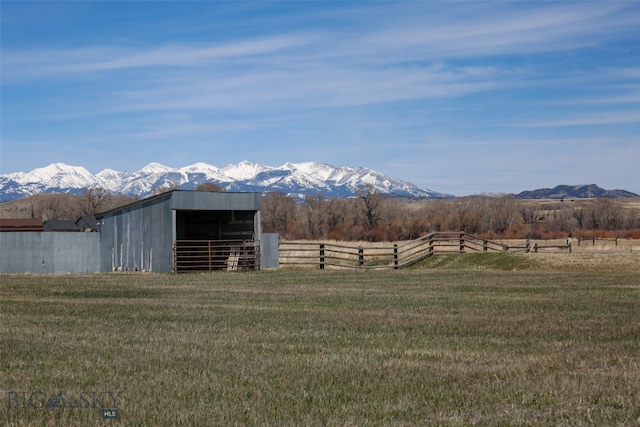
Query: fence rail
[
  {"x": 323, "y": 255},
  {"x": 210, "y": 255}
]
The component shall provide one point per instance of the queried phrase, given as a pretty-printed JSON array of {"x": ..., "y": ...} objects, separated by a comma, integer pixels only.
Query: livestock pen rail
[
  {"x": 335, "y": 255},
  {"x": 209, "y": 255}
]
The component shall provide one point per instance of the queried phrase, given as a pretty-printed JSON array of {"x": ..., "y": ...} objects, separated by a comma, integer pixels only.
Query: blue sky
[{"x": 458, "y": 97}]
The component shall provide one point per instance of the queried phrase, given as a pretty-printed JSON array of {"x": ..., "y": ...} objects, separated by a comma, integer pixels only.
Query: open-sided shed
[{"x": 182, "y": 231}]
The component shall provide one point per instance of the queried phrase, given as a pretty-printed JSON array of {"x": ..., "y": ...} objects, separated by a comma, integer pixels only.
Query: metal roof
[
  {"x": 21, "y": 224},
  {"x": 197, "y": 200},
  {"x": 56, "y": 225}
]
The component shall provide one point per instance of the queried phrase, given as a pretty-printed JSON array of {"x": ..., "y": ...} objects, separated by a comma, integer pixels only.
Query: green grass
[{"x": 476, "y": 344}]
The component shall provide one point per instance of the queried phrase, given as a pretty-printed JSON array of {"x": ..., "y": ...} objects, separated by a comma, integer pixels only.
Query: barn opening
[
  {"x": 214, "y": 225},
  {"x": 216, "y": 240}
]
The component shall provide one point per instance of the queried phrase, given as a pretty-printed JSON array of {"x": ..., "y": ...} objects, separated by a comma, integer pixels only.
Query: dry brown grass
[
  {"x": 582, "y": 245},
  {"x": 591, "y": 261}
]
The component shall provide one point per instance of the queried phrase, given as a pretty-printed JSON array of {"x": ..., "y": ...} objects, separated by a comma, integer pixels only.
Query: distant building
[
  {"x": 87, "y": 223},
  {"x": 56, "y": 225},
  {"x": 23, "y": 225}
]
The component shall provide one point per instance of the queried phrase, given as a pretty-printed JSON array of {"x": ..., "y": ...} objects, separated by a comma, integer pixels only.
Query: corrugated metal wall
[
  {"x": 49, "y": 252},
  {"x": 138, "y": 238},
  {"x": 269, "y": 247}
]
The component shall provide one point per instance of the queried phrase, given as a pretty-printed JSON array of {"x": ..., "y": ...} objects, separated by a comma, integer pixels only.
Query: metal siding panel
[
  {"x": 200, "y": 200},
  {"x": 75, "y": 252},
  {"x": 23, "y": 252},
  {"x": 50, "y": 252},
  {"x": 162, "y": 230},
  {"x": 269, "y": 246},
  {"x": 257, "y": 226},
  {"x": 138, "y": 237}
]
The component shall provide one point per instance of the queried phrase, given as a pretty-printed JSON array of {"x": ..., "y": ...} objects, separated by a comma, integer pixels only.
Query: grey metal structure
[
  {"x": 269, "y": 251},
  {"x": 49, "y": 252},
  {"x": 141, "y": 236}
]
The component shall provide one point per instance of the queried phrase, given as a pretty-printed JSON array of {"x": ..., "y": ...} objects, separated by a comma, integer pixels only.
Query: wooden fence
[
  {"x": 210, "y": 255},
  {"x": 334, "y": 255}
]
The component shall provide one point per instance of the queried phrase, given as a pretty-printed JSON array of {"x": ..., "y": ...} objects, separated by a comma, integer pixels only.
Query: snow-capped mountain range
[{"x": 297, "y": 179}]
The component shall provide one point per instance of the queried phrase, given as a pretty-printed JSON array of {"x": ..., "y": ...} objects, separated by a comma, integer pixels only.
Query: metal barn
[{"x": 182, "y": 231}]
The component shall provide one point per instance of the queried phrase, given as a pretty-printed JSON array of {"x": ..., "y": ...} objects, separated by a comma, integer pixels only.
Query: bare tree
[
  {"x": 96, "y": 198},
  {"x": 467, "y": 215},
  {"x": 169, "y": 186},
  {"x": 612, "y": 213},
  {"x": 633, "y": 221},
  {"x": 116, "y": 201},
  {"x": 501, "y": 212},
  {"x": 579, "y": 214},
  {"x": 436, "y": 217},
  {"x": 210, "y": 187},
  {"x": 370, "y": 205},
  {"x": 50, "y": 208},
  {"x": 33, "y": 202},
  {"x": 313, "y": 210},
  {"x": 278, "y": 213},
  {"x": 528, "y": 213},
  {"x": 340, "y": 216}
]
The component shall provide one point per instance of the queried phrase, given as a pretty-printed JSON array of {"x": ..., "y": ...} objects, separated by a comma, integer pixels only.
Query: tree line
[
  {"x": 372, "y": 216},
  {"x": 65, "y": 206},
  {"x": 92, "y": 201}
]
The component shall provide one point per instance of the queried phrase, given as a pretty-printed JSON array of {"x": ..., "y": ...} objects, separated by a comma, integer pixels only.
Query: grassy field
[{"x": 458, "y": 340}]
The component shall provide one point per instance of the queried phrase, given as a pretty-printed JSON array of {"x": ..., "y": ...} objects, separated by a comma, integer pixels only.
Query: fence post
[
  {"x": 431, "y": 249},
  {"x": 528, "y": 246},
  {"x": 209, "y": 253},
  {"x": 462, "y": 242},
  {"x": 360, "y": 256},
  {"x": 244, "y": 254},
  {"x": 485, "y": 246},
  {"x": 321, "y": 257},
  {"x": 395, "y": 256}
]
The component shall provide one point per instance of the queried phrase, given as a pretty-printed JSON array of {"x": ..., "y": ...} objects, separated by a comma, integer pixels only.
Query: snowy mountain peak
[
  {"x": 59, "y": 175},
  {"x": 244, "y": 170},
  {"x": 299, "y": 179},
  {"x": 201, "y": 172},
  {"x": 319, "y": 170},
  {"x": 199, "y": 167},
  {"x": 155, "y": 168}
]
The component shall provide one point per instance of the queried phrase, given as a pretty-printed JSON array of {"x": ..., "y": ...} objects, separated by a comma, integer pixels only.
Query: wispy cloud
[
  {"x": 591, "y": 119},
  {"x": 608, "y": 98},
  {"x": 481, "y": 30},
  {"x": 429, "y": 35},
  {"x": 39, "y": 64}
]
